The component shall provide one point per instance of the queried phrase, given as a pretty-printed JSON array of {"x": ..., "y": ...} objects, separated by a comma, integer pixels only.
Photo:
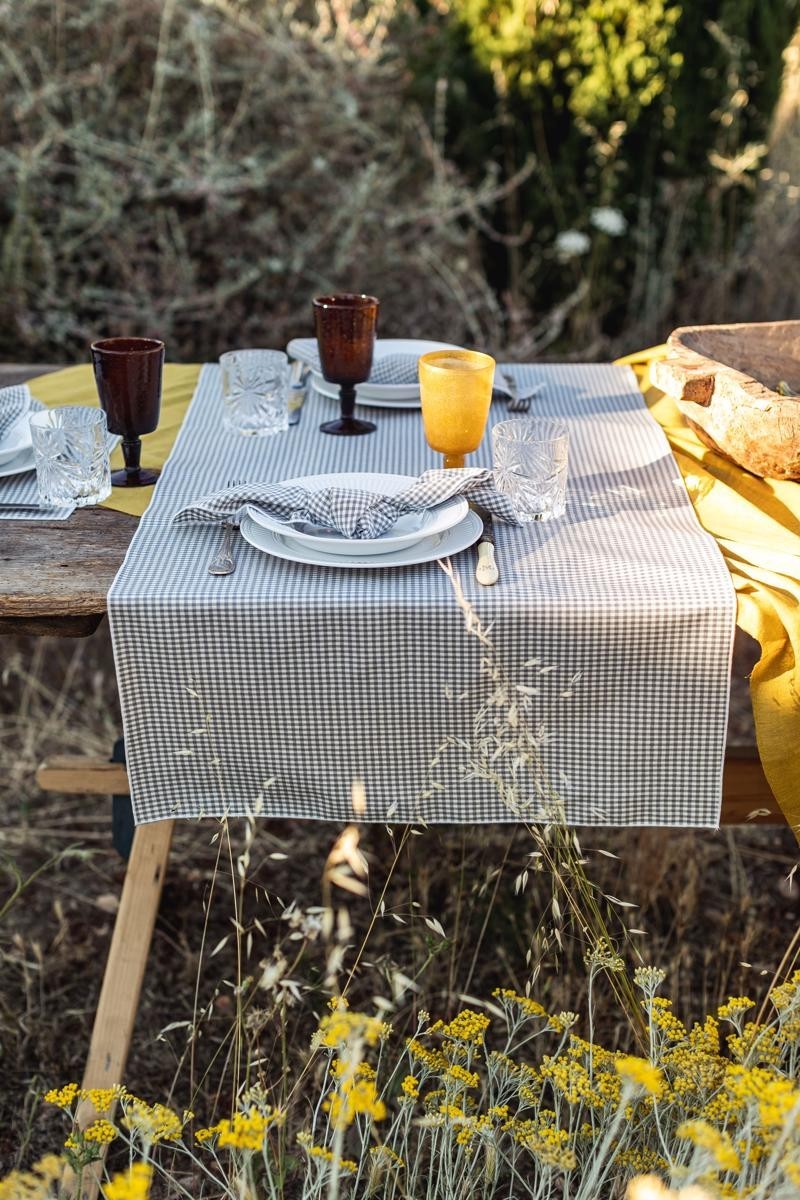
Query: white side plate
[
  {"x": 17, "y": 439},
  {"x": 20, "y": 465}
]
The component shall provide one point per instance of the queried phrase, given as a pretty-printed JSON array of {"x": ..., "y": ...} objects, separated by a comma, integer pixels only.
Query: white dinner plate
[
  {"x": 20, "y": 465},
  {"x": 17, "y": 439},
  {"x": 384, "y": 395},
  {"x": 452, "y": 541},
  {"x": 410, "y": 528}
]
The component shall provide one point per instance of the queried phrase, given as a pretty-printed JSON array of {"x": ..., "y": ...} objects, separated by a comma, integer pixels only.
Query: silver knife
[
  {"x": 21, "y": 508},
  {"x": 298, "y": 387},
  {"x": 486, "y": 572}
]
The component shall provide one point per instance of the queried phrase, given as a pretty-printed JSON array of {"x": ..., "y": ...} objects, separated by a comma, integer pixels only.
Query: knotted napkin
[
  {"x": 396, "y": 369},
  {"x": 14, "y": 403},
  {"x": 349, "y": 511}
]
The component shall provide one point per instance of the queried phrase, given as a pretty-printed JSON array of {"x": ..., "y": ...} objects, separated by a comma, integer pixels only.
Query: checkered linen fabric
[
  {"x": 269, "y": 690},
  {"x": 348, "y": 511},
  {"x": 387, "y": 369},
  {"x": 14, "y": 403}
]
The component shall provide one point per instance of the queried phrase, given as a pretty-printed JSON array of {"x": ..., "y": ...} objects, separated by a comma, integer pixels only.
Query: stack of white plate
[
  {"x": 418, "y": 537},
  {"x": 381, "y": 395},
  {"x": 16, "y": 449}
]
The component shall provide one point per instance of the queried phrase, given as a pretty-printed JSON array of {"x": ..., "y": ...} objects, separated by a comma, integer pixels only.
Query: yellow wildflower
[
  {"x": 641, "y": 1073},
  {"x": 531, "y": 1008},
  {"x": 34, "y": 1184},
  {"x": 103, "y": 1099},
  {"x": 660, "y": 1012},
  {"x": 734, "y": 1007},
  {"x": 434, "y": 1060},
  {"x": 549, "y": 1145},
  {"x": 353, "y": 1097},
  {"x": 387, "y": 1154},
  {"x": 343, "y": 1026},
  {"x": 467, "y": 1026},
  {"x": 62, "y": 1097},
  {"x": 410, "y": 1086},
  {"x": 326, "y": 1155},
  {"x": 758, "y": 1044},
  {"x": 461, "y": 1075},
  {"x": 100, "y": 1131},
  {"x": 341, "y": 1069},
  {"x": 706, "y": 1137},
  {"x": 244, "y": 1131},
  {"x": 133, "y": 1184},
  {"x": 571, "y": 1079},
  {"x": 152, "y": 1122}
]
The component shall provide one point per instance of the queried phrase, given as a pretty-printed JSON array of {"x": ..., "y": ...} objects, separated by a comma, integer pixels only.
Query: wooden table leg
[{"x": 122, "y": 981}]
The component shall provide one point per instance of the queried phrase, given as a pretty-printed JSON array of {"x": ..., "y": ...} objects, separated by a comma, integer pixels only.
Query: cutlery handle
[
  {"x": 223, "y": 564},
  {"x": 486, "y": 571}
]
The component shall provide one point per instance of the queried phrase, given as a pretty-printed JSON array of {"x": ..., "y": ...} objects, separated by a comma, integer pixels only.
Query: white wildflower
[
  {"x": 572, "y": 243},
  {"x": 609, "y": 221}
]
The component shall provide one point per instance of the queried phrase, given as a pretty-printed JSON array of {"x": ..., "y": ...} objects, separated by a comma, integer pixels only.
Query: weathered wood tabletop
[{"x": 54, "y": 578}]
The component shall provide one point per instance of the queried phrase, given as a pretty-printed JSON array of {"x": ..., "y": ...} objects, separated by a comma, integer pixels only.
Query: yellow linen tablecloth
[{"x": 756, "y": 523}]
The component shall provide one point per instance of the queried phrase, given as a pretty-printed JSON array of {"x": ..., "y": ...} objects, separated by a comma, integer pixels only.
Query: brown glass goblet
[
  {"x": 345, "y": 325},
  {"x": 128, "y": 376}
]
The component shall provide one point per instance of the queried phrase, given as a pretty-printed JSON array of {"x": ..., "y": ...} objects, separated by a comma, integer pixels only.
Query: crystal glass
[
  {"x": 128, "y": 376},
  {"x": 255, "y": 392},
  {"x": 70, "y": 449},
  {"x": 530, "y": 466},
  {"x": 345, "y": 325},
  {"x": 456, "y": 391}
]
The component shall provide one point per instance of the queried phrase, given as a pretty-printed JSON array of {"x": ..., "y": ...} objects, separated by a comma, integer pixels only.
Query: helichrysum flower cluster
[{"x": 480, "y": 1106}]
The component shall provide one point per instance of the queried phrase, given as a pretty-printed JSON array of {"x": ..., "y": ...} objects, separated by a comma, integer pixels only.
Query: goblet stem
[
  {"x": 134, "y": 475},
  {"x": 132, "y": 453},
  {"x": 347, "y": 424},
  {"x": 454, "y": 460},
  {"x": 347, "y": 399}
]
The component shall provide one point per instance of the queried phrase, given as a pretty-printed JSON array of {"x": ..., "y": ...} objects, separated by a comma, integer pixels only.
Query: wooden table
[{"x": 54, "y": 579}]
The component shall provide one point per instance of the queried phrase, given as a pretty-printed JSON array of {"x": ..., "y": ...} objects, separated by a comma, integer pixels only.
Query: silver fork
[
  {"x": 516, "y": 403},
  {"x": 223, "y": 563}
]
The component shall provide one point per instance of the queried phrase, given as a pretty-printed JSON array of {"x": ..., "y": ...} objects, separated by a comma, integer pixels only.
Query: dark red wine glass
[
  {"x": 345, "y": 326},
  {"x": 128, "y": 371}
]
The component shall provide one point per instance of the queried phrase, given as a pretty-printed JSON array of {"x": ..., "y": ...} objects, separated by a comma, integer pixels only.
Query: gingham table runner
[{"x": 269, "y": 690}]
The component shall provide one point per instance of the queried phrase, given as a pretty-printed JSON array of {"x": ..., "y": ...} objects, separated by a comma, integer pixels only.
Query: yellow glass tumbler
[{"x": 456, "y": 391}]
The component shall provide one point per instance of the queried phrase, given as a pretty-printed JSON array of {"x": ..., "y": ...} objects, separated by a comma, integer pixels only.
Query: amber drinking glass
[
  {"x": 456, "y": 391},
  {"x": 345, "y": 325},
  {"x": 128, "y": 376}
]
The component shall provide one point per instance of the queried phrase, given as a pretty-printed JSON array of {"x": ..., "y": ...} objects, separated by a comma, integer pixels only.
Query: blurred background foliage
[{"x": 544, "y": 177}]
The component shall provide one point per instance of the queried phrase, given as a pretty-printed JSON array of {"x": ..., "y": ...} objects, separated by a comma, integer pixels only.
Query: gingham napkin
[
  {"x": 396, "y": 369},
  {"x": 352, "y": 513},
  {"x": 389, "y": 369},
  {"x": 14, "y": 403}
]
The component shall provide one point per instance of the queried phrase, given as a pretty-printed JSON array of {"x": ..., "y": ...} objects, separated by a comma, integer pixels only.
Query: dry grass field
[{"x": 716, "y": 910}]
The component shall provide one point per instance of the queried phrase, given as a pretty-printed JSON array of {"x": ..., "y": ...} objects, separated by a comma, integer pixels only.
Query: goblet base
[
  {"x": 348, "y": 426},
  {"x": 142, "y": 477}
]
